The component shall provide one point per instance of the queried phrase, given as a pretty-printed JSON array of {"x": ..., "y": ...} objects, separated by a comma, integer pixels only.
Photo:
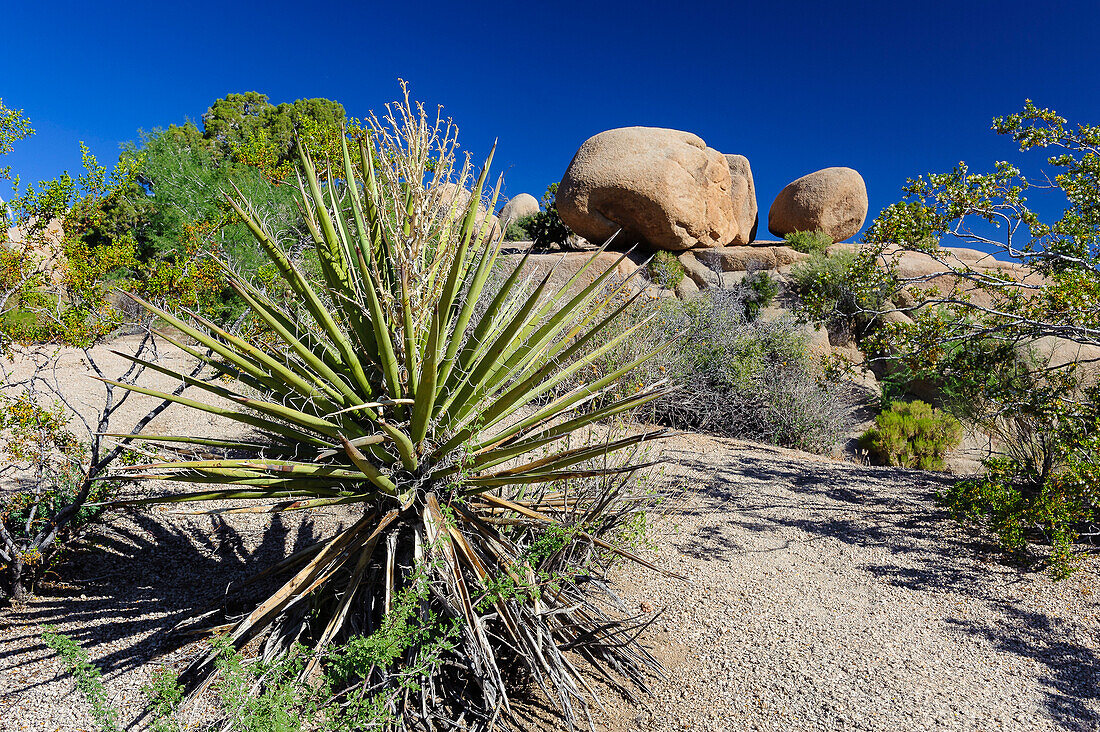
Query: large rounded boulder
[
  {"x": 743, "y": 192},
  {"x": 663, "y": 187},
  {"x": 833, "y": 200},
  {"x": 519, "y": 207}
]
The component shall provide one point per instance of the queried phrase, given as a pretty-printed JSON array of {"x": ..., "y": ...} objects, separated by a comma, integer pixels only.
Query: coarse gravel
[
  {"x": 833, "y": 596},
  {"x": 820, "y": 595}
]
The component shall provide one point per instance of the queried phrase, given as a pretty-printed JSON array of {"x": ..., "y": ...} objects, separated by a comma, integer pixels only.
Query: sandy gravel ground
[
  {"x": 830, "y": 596},
  {"x": 822, "y": 595}
]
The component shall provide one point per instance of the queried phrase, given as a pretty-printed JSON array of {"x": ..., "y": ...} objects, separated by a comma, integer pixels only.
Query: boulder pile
[{"x": 667, "y": 189}]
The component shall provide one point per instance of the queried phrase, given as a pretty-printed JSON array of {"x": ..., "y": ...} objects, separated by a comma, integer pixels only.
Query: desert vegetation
[{"x": 489, "y": 439}]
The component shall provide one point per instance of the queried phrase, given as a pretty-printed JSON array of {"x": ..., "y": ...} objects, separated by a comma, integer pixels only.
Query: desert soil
[{"x": 820, "y": 595}]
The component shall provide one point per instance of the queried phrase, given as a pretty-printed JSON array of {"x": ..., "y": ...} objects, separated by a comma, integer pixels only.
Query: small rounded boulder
[
  {"x": 832, "y": 200},
  {"x": 517, "y": 208}
]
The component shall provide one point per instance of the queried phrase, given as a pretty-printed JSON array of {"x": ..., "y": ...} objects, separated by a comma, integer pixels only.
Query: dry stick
[{"x": 99, "y": 464}]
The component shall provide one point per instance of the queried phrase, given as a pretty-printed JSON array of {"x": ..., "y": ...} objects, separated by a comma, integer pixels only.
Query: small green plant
[
  {"x": 284, "y": 704},
  {"x": 1045, "y": 491},
  {"x": 86, "y": 675},
  {"x": 165, "y": 696},
  {"x": 762, "y": 289},
  {"x": 845, "y": 290},
  {"x": 912, "y": 435},
  {"x": 520, "y": 229},
  {"x": 49, "y": 503},
  {"x": 546, "y": 228},
  {"x": 809, "y": 242},
  {"x": 665, "y": 269},
  {"x": 1019, "y": 512}
]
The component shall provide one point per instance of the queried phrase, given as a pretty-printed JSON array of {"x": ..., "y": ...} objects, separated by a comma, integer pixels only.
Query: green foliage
[
  {"x": 400, "y": 383},
  {"x": 733, "y": 376},
  {"x": 86, "y": 675},
  {"x": 152, "y": 225},
  {"x": 912, "y": 435},
  {"x": 762, "y": 289},
  {"x": 14, "y": 126},
  {"x": 70, "y": 303},
  {"x": 520, "y": 229},
  {"x": 968, "y": 379},
  {"x": 165, "y": 697},
  {"x": 1046, "y": 490},
  {"x": 845, "y": 290},
  {"x": 809, "y": 242},
  {"x": 665, "y": 269},
  {"x": 402, "y": 629},
  {"x": 247, "y": 128},
  {"x": 283, "y": 704},
  {"x": 546, "y": 228},
  {"x": 49, "y": 463},
  {"x": 992, "y": 210}
]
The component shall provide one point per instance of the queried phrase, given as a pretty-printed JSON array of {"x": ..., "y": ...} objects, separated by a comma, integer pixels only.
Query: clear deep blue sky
[{"x": 891, "y": 89}]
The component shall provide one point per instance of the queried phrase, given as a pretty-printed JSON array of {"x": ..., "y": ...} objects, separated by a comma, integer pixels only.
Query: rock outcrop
[
  {"x": 448, "y": 192},
  {"x": 663, "y": 187},
  {"x": 743, "y": 191},
  {"x": 517, "y": 208},
  {"x": 44, "y": 245},
  {"x": 833, "y": 200}
]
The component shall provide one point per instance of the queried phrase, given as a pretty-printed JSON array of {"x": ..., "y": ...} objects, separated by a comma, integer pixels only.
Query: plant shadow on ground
[
  {"x": 133, "y": 580},
  {"x": 1073, "y": 670},
  {"x": 749, "y": 502}
]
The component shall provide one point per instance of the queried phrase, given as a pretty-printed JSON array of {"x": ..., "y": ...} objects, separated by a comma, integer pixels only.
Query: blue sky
[{"x": 891, "y": 89}]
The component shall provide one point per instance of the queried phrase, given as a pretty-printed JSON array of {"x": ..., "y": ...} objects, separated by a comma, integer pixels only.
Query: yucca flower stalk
[{"x": 404, "y": 385}]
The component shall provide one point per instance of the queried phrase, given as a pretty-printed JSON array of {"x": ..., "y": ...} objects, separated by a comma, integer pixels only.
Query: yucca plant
[{"x": 406, "y": 387}]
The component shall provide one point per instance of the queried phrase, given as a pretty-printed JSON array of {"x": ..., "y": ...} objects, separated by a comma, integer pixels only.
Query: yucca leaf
[
  {"x": 463, "y": 402},
  {"x": 310, "y": 299},
  {"x": 272, "y": 426},
  {"x": 334, "y": 382}
]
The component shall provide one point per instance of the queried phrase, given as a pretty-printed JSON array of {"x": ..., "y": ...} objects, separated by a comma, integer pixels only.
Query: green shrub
[
  {"x": 49, "y": 464},
  {"x": 546, "y": 228},
  {"x": 912, "y": 435},
  {"x": 809, "y": 242},
  {"x": 733, "y": 376},
  {"x": 665, "y": 269},
  {"x": 846, "y": 290},
  {"x": 1046, "y": 489},
  {"x": 86, "y": 675},
  {"x": 762, "y": 289},
  {"x": 520, "y": 229}
]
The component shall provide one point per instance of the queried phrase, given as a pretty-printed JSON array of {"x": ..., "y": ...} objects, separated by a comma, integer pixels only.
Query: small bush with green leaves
[
  {"x": 520, "y": 229},
  {"x": 845, "y": 290},
  {"x": 1045, "y": 492},
  {"x": 732, "y": 376},
  {"x": 48, "y": 464},
  {"x": 809, "y": 242},
  {"x": 546, "y": 228},
  {"x": 664, "y": 269},
  {"x": 86, "y": 675},
  {"x": 912, "y": 435},
  {"x": 761, "y": 291}
]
